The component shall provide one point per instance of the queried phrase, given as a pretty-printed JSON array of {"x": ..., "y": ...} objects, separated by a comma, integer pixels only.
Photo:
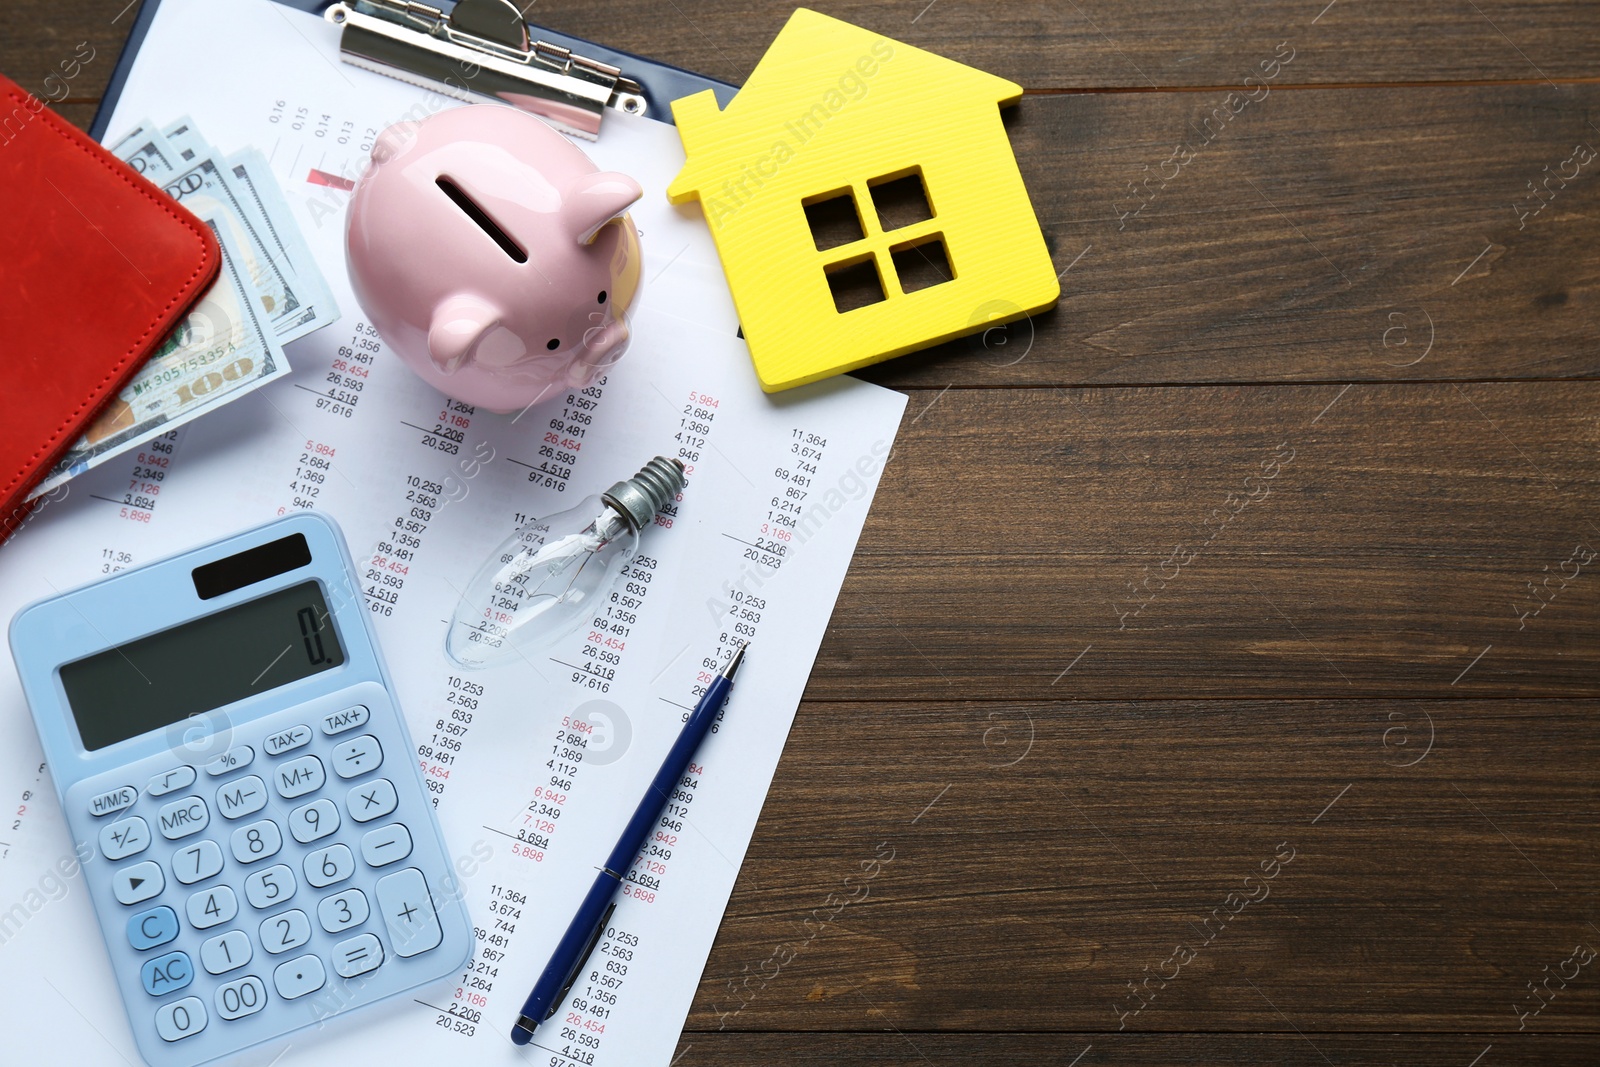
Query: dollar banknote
[
  {"x": 297, "y": 298},
  {"x": 147, "y": 152},
  {"x": 221, "y": 350}
]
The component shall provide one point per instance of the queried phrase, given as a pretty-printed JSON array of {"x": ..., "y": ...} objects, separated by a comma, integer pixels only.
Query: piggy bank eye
[
  {"x": 602, "y": 299},
  {"x": 553, "y": 344}
]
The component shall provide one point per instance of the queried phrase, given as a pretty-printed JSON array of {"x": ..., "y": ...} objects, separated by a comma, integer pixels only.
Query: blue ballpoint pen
[{"x": 583, "y": 933}]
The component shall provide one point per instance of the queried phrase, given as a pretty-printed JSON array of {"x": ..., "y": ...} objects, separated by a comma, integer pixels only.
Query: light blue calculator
[{"x": 224, "y": 735}]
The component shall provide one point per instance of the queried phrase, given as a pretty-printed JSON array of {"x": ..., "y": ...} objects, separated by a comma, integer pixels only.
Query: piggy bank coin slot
[{"x": 470, "y": 208}]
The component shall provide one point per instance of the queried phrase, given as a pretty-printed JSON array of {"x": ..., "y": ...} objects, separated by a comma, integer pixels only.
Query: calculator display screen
[{"x": 203, "y": 664}]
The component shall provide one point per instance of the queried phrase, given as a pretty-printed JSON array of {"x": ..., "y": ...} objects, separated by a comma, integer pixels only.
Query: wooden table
[{"x": 1217, "y": 677}]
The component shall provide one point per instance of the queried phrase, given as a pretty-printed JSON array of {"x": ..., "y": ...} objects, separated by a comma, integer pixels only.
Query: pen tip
[{"x": 733, "y": 664}]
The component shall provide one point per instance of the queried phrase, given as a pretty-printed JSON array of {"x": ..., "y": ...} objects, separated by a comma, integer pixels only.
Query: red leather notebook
[{"x": 96, "y": 267}]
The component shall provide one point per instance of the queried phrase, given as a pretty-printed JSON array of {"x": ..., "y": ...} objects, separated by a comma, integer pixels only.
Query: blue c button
[{"x": 154, "y": 927}]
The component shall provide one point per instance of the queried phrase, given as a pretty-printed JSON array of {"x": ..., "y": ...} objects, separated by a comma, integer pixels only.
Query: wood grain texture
[
  {"x": 1014, "y": 529},
  {"x": 64, "y": 49},
  {"x": 917, "y": 1049},
  {"x": 1034, "y": 858},
  {"x": 1091, "y": 44},
  {"x": 1337, "y": 235}
]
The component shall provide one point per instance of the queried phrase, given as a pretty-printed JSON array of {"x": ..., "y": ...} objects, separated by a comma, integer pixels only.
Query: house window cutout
[
  {"x": 834, "y": 219},
  {"x": 922, "y": 264},
  {"x": 855, "y": 283},
  {"x": 901, "y": 199}
]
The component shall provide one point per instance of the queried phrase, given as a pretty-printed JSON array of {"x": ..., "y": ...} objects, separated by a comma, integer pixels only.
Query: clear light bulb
[{"x": 551, "y": 574}]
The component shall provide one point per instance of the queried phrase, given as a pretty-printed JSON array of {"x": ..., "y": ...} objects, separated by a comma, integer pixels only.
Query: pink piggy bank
[{"x": 493, "y": 256}]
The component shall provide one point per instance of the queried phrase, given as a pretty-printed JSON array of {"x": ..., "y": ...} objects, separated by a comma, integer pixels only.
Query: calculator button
[
  {"x": 269, "y": 888},
  {"x": 243, "y": 797},
  {"x": 223, "y": 953},
  {"x": 386, "y": 845},
  {"x": 314, "y": 821},
  {"x": 299, "y": 777},
  {"x": 342, "y": 911},
  {"x": 235, "y": 759},
  {"x": 166, "y": 974},
  {"x": 357, "y": 956},
  {"x": 240, "y": 998},
  {"x": 357, "y": 756},
  {"x": 328, "y": 865},
  {"x": 372, "y": 800},
  {"x": 197, "y": 862},
  {"x": 180, "y": 1019},
  {"x": 170, "y": 781},
  {"x": 288, "y": 740},
  {"x": 280, "y": 933},
  {"x": 348, "y": 719},
  {"x": 112, "y": 801},
  {"x": 212, "y": 907},
  {"x": 124, "y": 838},
  {"x": 299, "y": 977},
  {"x": 408, "y": 909},
  {"x": 256, "y": 841},
  {"x": 183, "y": 817},
  {"x": 151, "y": 928},
  {"x": 138, "y": 882}
]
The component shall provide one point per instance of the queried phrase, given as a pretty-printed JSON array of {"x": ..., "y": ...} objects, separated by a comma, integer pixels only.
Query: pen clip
[
  {"x": 482, "y": 49},
  {"x": 583, "y": 961}
]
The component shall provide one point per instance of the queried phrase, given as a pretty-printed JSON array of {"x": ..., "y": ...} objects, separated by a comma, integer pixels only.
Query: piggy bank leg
[{"x": 459, "y": 323}]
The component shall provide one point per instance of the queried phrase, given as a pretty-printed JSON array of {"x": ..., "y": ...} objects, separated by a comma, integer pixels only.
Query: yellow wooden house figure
[{"x": 864, "y": 200}]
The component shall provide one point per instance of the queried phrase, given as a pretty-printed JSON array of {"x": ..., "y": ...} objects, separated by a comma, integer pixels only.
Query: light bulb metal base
[{"x": 639, "y": 498}]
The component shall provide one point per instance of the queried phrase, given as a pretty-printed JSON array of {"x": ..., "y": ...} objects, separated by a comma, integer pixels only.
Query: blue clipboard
[{"x": 661, "y": 82}]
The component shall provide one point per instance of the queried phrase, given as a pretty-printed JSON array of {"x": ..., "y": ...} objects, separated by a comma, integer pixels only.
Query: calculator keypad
[{"x": 290, "y": 865}]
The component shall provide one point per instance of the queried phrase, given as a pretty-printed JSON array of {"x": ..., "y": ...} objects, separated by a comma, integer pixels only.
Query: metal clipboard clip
[{"x": 482, "y": 49}]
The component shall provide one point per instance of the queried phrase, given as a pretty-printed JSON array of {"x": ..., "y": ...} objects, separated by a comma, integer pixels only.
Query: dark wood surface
[{"x": 1276, "y": 538}]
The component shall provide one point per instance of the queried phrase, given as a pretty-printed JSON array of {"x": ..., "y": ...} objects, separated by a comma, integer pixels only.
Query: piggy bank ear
[
  {"x": 459, "y": 323},
  {"x": 392, "y": 141},
  {"x": 594, "y": 200}
]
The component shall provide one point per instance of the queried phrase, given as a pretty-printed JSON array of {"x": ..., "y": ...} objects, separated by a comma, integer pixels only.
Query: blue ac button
[{"x": 167, "y": 974}]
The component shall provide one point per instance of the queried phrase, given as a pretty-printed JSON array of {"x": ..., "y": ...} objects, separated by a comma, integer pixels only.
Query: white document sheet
[{"x": 424, "y": 487}]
